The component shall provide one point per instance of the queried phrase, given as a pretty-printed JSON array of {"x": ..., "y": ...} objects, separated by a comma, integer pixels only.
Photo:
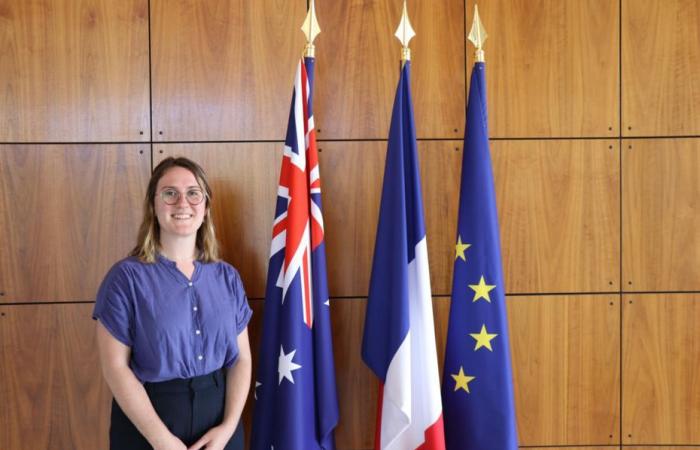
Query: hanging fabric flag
[
  {"x": 399, "y": 337},
  {"x": 296, "y": 405},
  {"x": 477, "y": 389}
]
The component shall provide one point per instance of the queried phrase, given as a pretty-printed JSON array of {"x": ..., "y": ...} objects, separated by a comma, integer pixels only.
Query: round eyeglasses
[{"x": 171, "y": 196}]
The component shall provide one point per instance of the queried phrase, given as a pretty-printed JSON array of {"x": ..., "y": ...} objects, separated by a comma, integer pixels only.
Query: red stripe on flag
[
  {"x": 306, "y": 281},
  {"x": 279, "y": 227},
  {"x": 378, "y": 430},
  {"x": 434, "y": 437}
]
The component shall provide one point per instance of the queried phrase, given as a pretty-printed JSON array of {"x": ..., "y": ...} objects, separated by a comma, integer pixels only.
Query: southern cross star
[{"x": 285, "y": 365}]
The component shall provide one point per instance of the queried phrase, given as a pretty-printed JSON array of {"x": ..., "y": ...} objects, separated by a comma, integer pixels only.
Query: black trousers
[{"x": 189, "y": 408}]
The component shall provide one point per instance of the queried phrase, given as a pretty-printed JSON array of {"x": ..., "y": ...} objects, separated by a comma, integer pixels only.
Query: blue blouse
[{"x": 176, "y": 328}]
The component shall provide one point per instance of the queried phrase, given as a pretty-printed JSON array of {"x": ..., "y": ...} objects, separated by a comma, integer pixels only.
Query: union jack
[{"x": 298, "y": 226}]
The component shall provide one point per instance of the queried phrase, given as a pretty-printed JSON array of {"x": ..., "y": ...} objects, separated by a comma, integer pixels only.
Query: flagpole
[
  {"x": 404, "y": 33},
  {"x": 477, "y": 35},
  {"x": 311, "y": 29}
]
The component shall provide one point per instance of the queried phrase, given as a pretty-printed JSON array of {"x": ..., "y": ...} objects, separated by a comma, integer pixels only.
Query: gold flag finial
[
  {"x": 310, "y": 29},
  {"x": 404, "y": 33},
  {"x": 478, "y": 35}
]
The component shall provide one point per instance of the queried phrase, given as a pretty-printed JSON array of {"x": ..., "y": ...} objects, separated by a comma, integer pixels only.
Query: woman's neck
[{"x": 178, "y": 250}]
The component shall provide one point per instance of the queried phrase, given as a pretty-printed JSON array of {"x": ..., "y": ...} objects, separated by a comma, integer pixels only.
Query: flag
[
  {"x": 477, "y": 389},
  {"x": 296, "y": 405},
  {"x": 399, "y": 338}
]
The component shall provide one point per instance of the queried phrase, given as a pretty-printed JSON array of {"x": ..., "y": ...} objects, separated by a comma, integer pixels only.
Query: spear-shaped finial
[
  {"x": 405, "y": 32},
  {"x": 311, "y": 30},
  {"x": 478, "y": 35}
]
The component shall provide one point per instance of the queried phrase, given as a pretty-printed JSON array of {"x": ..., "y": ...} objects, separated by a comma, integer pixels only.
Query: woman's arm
[
  {"x": 237, "y": 386},
  {"x": 130, "y": 393},
  {"x": 238, "y": 383}
]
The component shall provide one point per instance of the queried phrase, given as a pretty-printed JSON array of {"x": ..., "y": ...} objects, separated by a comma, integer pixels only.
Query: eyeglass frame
[{"x": 179, "y": 195}]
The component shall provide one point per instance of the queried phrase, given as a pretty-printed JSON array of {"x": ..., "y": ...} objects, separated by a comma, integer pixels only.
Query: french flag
[{"x": 399, "y": 337}]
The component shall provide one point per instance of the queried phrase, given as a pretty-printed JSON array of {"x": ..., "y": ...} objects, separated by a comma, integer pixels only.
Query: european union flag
[{"x": 477, "y": 389}]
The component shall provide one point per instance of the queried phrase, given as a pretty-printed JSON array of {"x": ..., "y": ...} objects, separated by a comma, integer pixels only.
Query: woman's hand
[
  {"x": 214, "y": 439},
  {"x": 170, "y": 443}
]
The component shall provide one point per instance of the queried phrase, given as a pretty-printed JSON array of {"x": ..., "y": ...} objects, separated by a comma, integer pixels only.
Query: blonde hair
[{"x": 148, "y": 240}]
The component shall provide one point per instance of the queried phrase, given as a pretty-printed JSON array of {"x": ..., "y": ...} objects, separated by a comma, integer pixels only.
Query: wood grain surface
[
  {"x": 559, "y": 213},
  {"x": 552, "y": 67},
  {"x": 52, "y": 390},
  {"x": 661, "y": 214},
  {"x": 358, "y": 59},
  {"x": 661, "y": 350},
  {"x": 566, "y": 368},
  {"x": 74, "y": 71},
  {"x": 660, "y": 65},
  {"x": 67, "y": 213},
  {"x": 223, "y": 70}
]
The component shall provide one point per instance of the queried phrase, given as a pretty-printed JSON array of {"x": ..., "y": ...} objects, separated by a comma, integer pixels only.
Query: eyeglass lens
[{"x": 172, "y": 196}]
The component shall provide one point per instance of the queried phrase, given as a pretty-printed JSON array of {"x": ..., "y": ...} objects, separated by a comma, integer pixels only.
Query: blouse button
[
  {"x": 200, "y": 357},
  {"x": 197, "y": 332},
  {"x": 189, "y": 283},
  {"x": 194, "y": 308}
]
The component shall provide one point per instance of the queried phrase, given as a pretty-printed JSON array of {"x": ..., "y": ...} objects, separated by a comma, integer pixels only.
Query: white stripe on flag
[{"x": 423, "y": 377}]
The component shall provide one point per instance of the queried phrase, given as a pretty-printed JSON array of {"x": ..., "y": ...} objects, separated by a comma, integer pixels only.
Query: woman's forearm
[
  {"x": 128, "y": 390},
  {"x": 133, "y": 400},
  {"x": 237, "y": 386}
]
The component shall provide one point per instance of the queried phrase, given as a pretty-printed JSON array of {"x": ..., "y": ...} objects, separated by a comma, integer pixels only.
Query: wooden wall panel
[
  {"x": 224, "y": 70},
  {"x": 661, "y": 350},
  {"x": 559, "y": 214},
  {"x": 552, "y": 67},
  {"x": 244, "y": 180},
  {"x": 359, "y": 62},
  {"x": 660, "y": 447},
  {"x": 660, "y": 63},
  {"x": 661, "y": 214},
  {"x": 441, "y": 168},
  {"x": 67, "y": 213},
  {"x": 352, "y": 174},
  {"x": 357, "y": 385},
  {"x": 566, "y": 368},
  {"x": 437, "y": 67},
  {"x": 52, "y": 391},
  {"x": 74, "y": 71},
  {"x": 255, "y": 327},
  {"x": 578, "y": 447}
]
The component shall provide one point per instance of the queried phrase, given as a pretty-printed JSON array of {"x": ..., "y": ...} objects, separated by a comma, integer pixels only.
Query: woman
[{"x": 171, "y": 327}]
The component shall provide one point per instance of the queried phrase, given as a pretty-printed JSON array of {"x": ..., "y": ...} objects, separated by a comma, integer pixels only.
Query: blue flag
[
  {"x": 477, "y": 388},
  {"x": 296, "y": 405},
  {"x": 399, "y": 335}
]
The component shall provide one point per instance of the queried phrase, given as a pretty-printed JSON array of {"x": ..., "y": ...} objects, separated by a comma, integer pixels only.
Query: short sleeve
[
  {"x": 241, "y": 308},
  {"x": 114, "y": 307}
]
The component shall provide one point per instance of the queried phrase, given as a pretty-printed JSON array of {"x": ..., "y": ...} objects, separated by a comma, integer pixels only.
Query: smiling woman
[{"x": 172, "y": 325}]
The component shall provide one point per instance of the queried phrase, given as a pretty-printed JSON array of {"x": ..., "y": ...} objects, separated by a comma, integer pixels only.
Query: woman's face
[{"x": 182, "y": 218}]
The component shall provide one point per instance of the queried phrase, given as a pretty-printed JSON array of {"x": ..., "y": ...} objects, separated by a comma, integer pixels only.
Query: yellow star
[
  {"x": 483, "y": 338},
  {"x": 462, "y": 380},
  {"x": 482, "y": 290},
  {"x": 460, "y": 248}
]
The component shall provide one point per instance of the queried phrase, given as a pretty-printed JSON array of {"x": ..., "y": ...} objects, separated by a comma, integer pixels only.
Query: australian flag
[
  {"x": 477, "y": 389},
  {"x": 399, "y": 335},
  {"x": 296, "y": 405}
]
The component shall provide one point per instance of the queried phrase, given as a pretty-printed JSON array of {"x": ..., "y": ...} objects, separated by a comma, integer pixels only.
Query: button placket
[{"x": 196, "y": 322}]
